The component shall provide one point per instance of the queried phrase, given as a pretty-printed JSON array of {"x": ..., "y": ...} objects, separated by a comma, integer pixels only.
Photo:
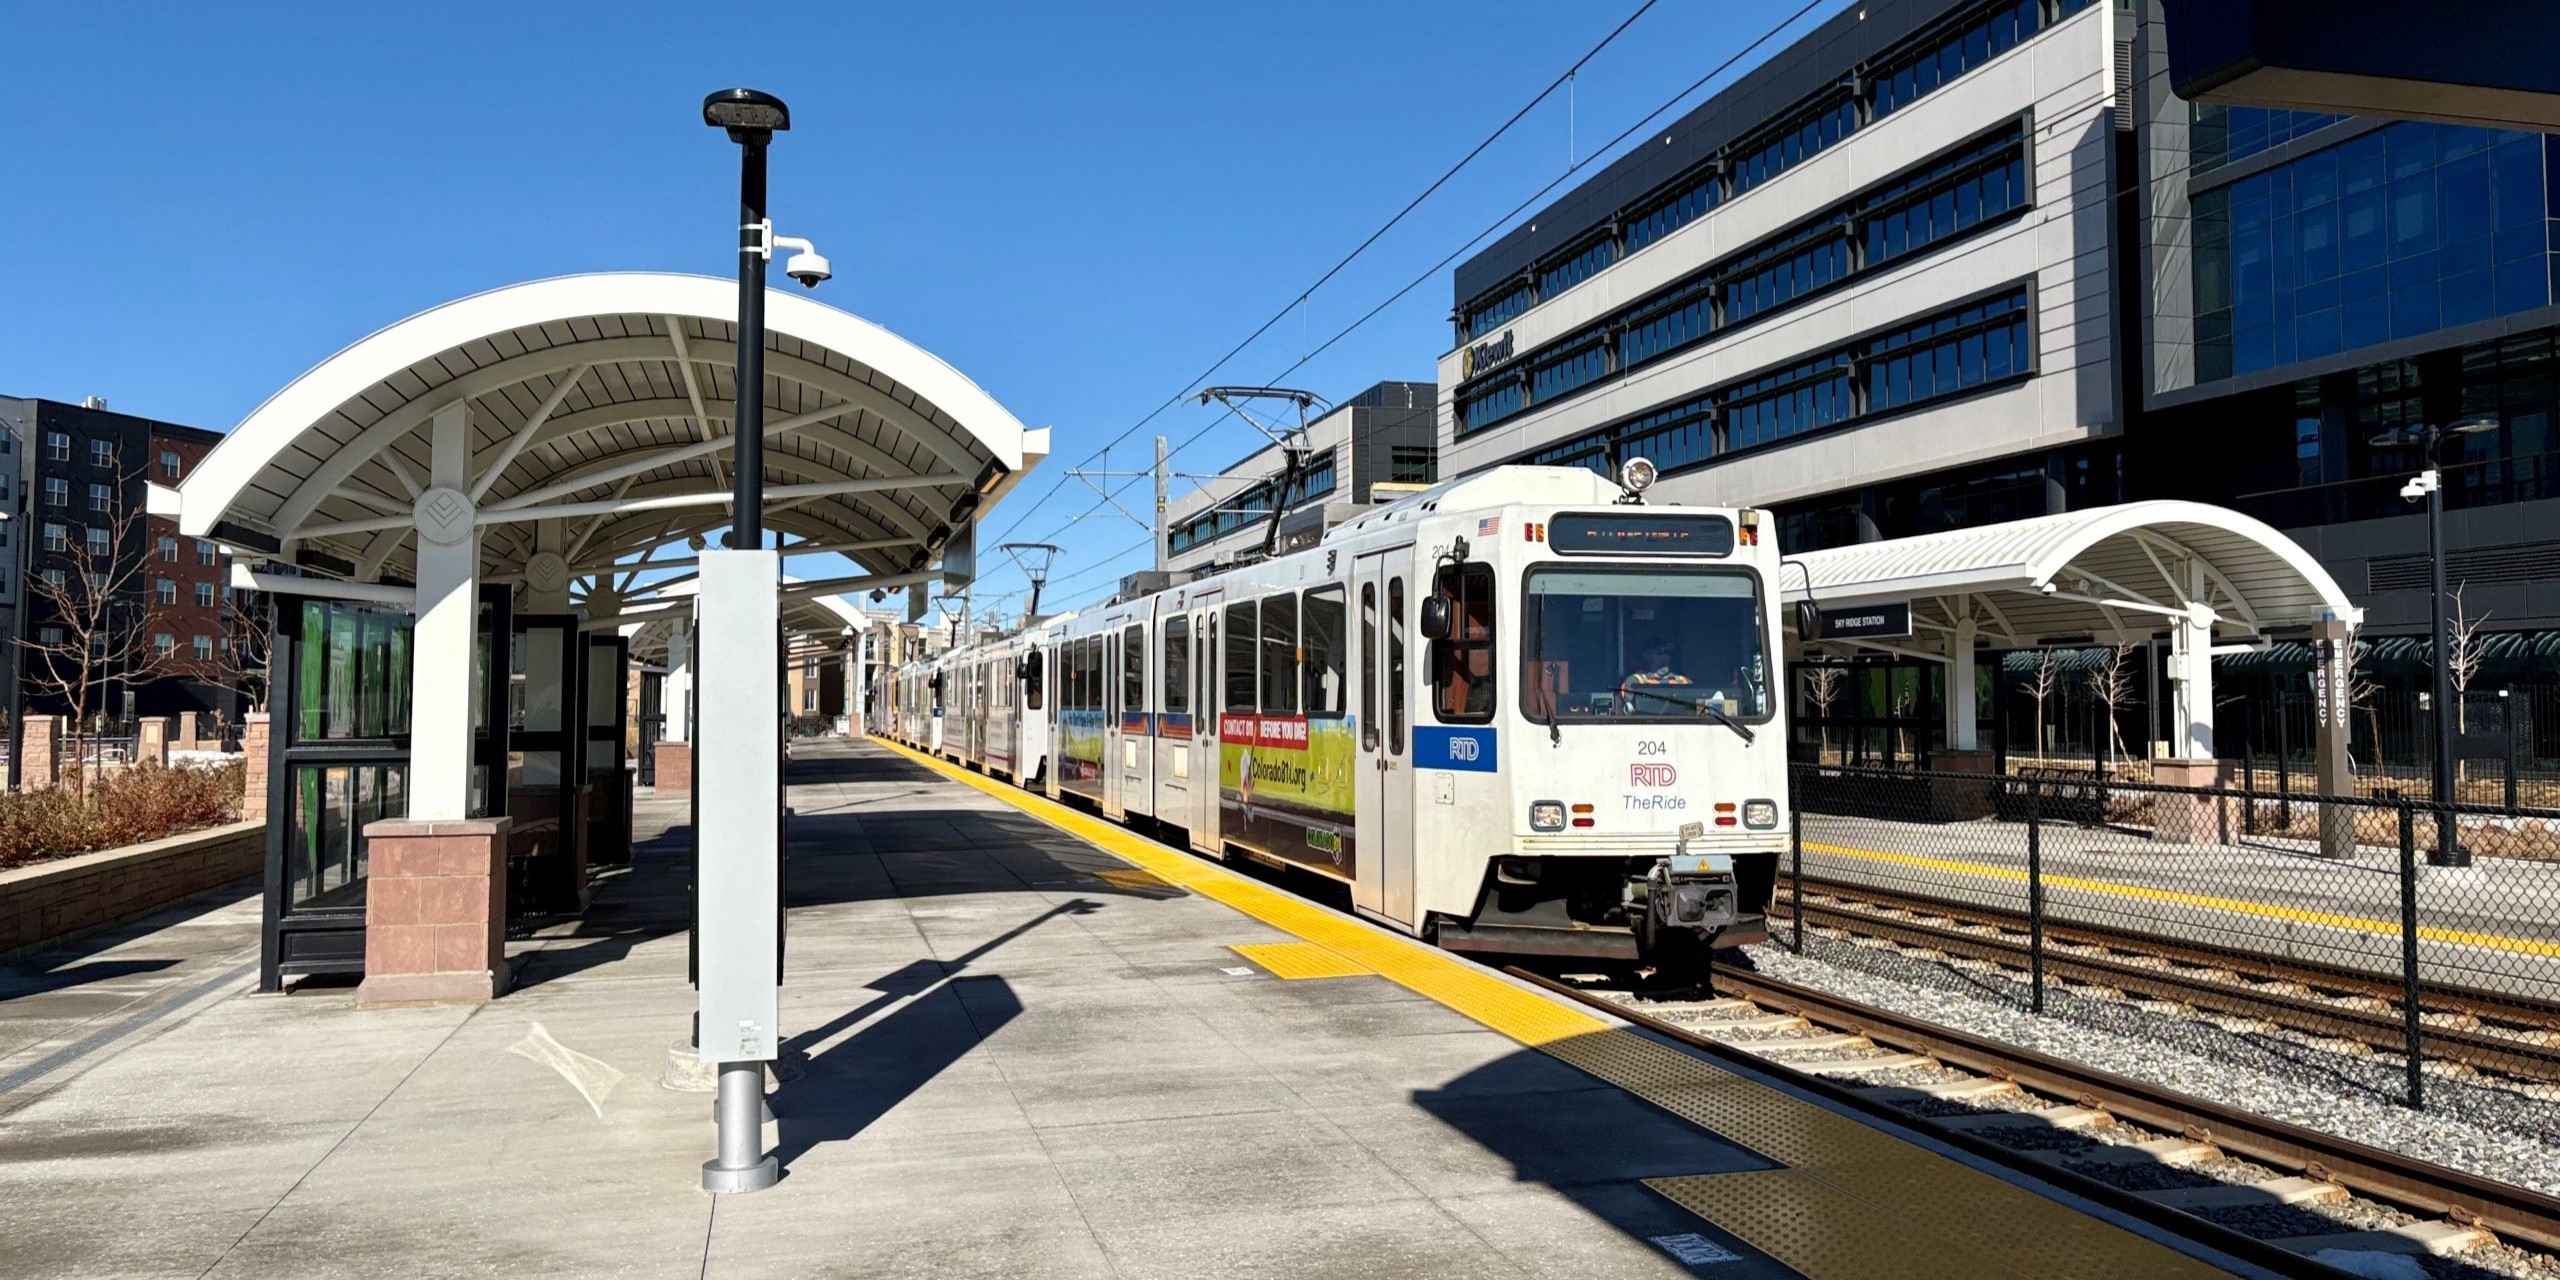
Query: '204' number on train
[{"x": 1652, "y": 747}]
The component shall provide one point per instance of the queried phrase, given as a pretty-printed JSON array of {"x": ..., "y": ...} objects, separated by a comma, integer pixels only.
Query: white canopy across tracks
[{"x": 2105, "y": 575}]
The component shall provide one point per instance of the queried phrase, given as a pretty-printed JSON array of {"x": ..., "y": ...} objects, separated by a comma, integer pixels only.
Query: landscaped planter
[{"x": 46, "y": 901}]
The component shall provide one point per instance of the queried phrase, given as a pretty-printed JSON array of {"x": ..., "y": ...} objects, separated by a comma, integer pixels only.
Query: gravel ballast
[{"x": 2482, "y": 1129}]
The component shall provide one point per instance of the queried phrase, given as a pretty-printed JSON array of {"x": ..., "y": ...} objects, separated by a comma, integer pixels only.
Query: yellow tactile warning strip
[
  {"x": 1299, "y": 960},
  {"x": 2210, "y": 902},
  {"x": 1853, "y": 1201},
  {"x": 1129, "y": 878}
]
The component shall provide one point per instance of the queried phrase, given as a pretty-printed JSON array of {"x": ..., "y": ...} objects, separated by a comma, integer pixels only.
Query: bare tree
[
  {"x": 2111, "y": 686},
  {"x": 2462, "y": 659},
  {"x": 2363, "y": 693},
  {"x": 94, "y": 628},
  {"x": 2048, "y": 676},
  {"x": 1822, "y": 684},
  {"x": 248, "y": 644}
]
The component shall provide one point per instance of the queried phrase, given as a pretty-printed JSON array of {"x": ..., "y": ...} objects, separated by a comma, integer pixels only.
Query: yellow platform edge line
[
  {"x": 2236, "y": 906},
  {"x": 1606, "y": 1051}
]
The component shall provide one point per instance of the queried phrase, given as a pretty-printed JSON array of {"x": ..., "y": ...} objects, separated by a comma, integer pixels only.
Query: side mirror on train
[
  {"x": 1435, "y": 617},
  {"x": 1808, "y": 621}
]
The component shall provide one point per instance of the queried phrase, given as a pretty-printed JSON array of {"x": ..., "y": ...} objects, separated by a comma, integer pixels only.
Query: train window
[
  {"x": 1239, "y": 654},
  {"x": 1323, "y": 622},
  {"x": 1280, "y": 655},
  {"x": 1462, "y": 665},
  {"x": 1031, "y": 665},
  {"x": 1177, "y": 665},
  {"x": 1092, "y": 649},
  {"x": 1133, "y": 669},
  {"x": 1395, "y": 665},
  {"x": 1369, "y": 666}
]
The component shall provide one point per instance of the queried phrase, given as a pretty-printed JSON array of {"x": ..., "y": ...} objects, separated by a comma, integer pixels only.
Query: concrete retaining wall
[{"x": 45, "y": 902}]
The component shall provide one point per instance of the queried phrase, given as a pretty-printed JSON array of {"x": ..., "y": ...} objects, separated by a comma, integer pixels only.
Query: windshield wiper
[{"x": 1710, "y": 710}]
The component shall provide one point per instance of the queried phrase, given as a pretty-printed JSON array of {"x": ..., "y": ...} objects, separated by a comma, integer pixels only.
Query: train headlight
[
  {"x": 1760, "y": 815},
  {"x": 1546, "y": 815},
  {"x": 1637, "y": 475}
]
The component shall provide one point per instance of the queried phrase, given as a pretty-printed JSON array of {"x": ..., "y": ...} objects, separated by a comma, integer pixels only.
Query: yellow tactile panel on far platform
[
  {"x": 1299, "y": 960},
  {"x": 1853, "y": 1201}
]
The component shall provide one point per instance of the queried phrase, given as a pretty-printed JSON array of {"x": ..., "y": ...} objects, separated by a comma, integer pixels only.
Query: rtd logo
[
  {"x": 1462, "y": 748},
  {"x": 1652, "y": 775}
]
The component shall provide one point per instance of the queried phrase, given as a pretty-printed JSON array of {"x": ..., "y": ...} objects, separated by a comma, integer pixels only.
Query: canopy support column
[
  {"x": 1959, "y": 702},
  {"x": 448, "y": 626},
  {"x": 2191, "y": 674}
]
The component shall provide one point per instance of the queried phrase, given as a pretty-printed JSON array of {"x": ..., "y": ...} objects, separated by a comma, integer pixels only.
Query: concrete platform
[{"x": 1033, "y": 1048}]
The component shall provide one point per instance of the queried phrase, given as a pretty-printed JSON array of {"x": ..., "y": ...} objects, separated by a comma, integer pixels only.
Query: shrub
[{"x": 124, "y": 806}]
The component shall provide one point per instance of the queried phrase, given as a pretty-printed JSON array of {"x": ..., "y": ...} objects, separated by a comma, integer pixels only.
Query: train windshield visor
[{"x": 1645, "y": 644}]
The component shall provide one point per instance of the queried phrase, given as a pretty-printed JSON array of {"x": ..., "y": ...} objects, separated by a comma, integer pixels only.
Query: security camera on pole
[{"x": 738, "y": 882}]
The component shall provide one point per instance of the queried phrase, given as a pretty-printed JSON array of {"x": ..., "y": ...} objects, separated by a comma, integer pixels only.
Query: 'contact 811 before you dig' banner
[{"x": 1263, "y": 731}]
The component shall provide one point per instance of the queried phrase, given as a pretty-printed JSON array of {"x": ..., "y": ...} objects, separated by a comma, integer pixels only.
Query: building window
[
  {"x": 164, "y": 591},
  {"x": 169, "y": 465},
  {"x": 1926, "y": 207},
  {"x": 1412, "y": 464},
  {"x": 101, "y": 497},
  {"x": 1895, "y": 80},
  {"x": 204, "y": 595},
  {"x": 2391, "y": 234},
  {"x": 49, "y": 634},
  {"x": 102, "y": 453},
  {"x": 53, "y": 578},
  {"x": 57, "y": 492},
  {"x": 2218, "y": 135},
  {"x": 56, "y": 536},
  {"x": 204, "y": 648},
  {"x": 164, "y": 644},
  {"x": 204, "y": 552},
  {"x": 169, "y": 550},
  {"x": 809, "y": 698},
  {"x": 57, "y": 446},
  {"x": 101, "y": 543}
]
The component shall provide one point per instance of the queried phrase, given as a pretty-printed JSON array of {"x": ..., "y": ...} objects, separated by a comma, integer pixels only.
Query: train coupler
[{"x": 1691, "y": 893}]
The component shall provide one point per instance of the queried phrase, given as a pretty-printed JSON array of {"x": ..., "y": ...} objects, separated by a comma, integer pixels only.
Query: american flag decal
[{"x": 1489, "y": 527}]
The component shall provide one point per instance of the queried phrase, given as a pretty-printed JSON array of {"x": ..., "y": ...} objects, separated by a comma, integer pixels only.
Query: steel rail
[{"x": 2382, "y": 1028}]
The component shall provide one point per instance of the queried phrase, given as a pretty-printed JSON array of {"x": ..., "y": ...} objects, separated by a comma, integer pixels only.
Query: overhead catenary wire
[
  {"x": 1496, "y": 225},
  {"x": 1298, "y": 302}
]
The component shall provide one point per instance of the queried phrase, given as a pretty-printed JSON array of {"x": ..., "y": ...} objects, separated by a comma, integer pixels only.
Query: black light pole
[
  {"x": 752, "y": 117},
  {"x": 2448, "y": 851}
]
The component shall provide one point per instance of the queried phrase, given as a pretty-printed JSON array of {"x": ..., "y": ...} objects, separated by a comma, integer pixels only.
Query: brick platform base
[
  {"x": 674, "y": 768},
  {"x": 435, "y": 912}
]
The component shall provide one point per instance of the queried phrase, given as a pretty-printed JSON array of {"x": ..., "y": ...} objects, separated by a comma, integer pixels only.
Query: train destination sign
[
  {"x": 1641, "y": 533},
  {"x": 1889, "y": 621}
]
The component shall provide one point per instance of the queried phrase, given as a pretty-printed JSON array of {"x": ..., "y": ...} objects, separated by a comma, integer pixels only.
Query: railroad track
[
  {"x": 2500, "y": 1035},
  {"x": 2215, "y": 1173}
]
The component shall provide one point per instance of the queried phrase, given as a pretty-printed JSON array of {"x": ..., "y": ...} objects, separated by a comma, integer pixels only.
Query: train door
[
  {"x": 1205, "y": 706},
  {"x": 1107, "y": 776},
  {"x": 1137, "y": 754},
  {"x": 1385, "y": 778},
  {"x": 1174, "y": 711},
  {"x": 1054, "y": 675}
]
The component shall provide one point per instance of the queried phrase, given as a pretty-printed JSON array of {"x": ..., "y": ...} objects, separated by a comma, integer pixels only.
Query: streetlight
[
  {"x": 2429, "y": 484},
  {"x": 752, "y": 844}
]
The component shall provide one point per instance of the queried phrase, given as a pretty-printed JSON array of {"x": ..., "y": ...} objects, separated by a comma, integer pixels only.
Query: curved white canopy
[
  {"x": 2097, "y": 572},
  {"x": 605, "y": 402}
]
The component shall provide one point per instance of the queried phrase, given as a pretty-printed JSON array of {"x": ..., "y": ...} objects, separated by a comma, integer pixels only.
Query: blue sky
[{"x": 1079, "y": 206}]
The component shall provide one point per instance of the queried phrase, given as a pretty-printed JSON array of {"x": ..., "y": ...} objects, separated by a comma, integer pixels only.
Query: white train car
[{"x": 1521, "y": 712}]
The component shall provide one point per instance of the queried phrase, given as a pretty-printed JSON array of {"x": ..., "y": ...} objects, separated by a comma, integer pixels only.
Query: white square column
[
  {"x": 738, "y": 780},
  {"x": 447, "y": 629}
]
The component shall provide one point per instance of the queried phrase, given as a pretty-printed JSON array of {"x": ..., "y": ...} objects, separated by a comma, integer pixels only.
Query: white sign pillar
[
  {"x": 738, "y": 781},
  {"x": 448, "y": 626}
]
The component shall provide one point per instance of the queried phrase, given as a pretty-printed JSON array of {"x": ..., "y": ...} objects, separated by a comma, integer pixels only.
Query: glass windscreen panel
[
  {"x": 326, "y": 854},
  {"x": 352, "y": 670},
  {"x": 1646, "y": 644}
]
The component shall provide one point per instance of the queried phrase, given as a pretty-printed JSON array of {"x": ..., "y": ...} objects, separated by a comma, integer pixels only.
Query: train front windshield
[{"x": 1645, "y": 645}]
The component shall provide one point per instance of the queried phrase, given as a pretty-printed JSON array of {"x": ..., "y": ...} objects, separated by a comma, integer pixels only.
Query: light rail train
[{"x": 1520, "y": 712}]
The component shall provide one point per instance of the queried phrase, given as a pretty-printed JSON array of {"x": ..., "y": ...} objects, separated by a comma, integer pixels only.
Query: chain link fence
[{"x": 2345, "y": 923}]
